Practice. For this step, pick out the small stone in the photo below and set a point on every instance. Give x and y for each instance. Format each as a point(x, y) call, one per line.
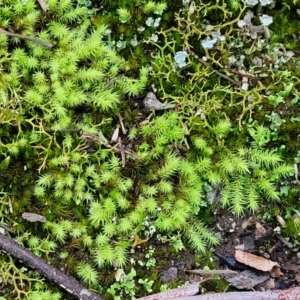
point(219, 227)
point(218, 235)
point(151, 103)
point(245, 86)
point(169, 275)
point(32, 217)
point(233, 225)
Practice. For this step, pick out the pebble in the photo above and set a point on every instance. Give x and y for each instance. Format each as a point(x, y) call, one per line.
point(169, 275)
point(233, 225)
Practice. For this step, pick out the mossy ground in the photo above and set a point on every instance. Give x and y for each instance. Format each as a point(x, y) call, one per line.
point(94, 199)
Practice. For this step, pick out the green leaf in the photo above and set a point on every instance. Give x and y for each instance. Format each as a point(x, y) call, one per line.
point(288, 89)
point(276, 99)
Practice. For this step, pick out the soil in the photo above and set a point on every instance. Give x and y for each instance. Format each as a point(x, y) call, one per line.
point(259, 238)
point(234, 232)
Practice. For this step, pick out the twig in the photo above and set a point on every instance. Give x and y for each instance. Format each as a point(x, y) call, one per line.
point(187, 290)
point(122, 124)
point(95, 138)
point(109, 83)
point(290, 294)
point(242, 74)
point(203, 62)
point(122, 150)
point(63, 130)
point(284, 241)
point(226, 272)
point(43, 5)
point(66, 282)
point(28, 38)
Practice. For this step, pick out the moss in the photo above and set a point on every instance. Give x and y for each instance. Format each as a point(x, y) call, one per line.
point(60, 107)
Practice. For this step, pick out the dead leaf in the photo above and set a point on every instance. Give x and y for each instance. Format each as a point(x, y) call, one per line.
point(251, 221)
point(261, 229)
point(247, 245)
point(247, 280)
point(281, 221)
point(276, 272)
point(143, 123)
point(266, 285)
point(43, 5)
point(115, 135)
point(258, 263)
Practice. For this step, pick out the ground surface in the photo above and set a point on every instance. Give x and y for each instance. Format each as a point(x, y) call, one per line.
point(245, 233)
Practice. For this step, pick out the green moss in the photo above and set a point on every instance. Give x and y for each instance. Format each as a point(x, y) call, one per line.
point(61, 106)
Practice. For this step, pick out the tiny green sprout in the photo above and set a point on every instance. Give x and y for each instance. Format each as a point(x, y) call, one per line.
point(160, 8)
point(124, 15)
point(150, 6)
point(124, 285)
point(87, 273)
point(63, 255)
point(150, 252)
point(151, 263)
point(163, 287)
point(147, 284)
point(176, 242)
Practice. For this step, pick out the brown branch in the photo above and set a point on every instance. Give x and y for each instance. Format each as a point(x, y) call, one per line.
point(240, 74)
point(187, 290)
point(290, 294)
point(28, 38)
point(67, 283)
point(122, 124)
point(102, 141)
point(63, 130)
point(122, 150)
point(225, 272)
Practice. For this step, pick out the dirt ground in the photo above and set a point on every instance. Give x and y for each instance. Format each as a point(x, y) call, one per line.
point(248, 234)
point(259, 238)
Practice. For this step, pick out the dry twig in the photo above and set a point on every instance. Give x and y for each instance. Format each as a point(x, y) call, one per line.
point(28, 38)
point(122, 150)
point(226, 272)
point(124, 131)
point(203, 62)
point(119, 148)
point(240, 74)
point(290, 294)
point(67, 283)
point(187, 290)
